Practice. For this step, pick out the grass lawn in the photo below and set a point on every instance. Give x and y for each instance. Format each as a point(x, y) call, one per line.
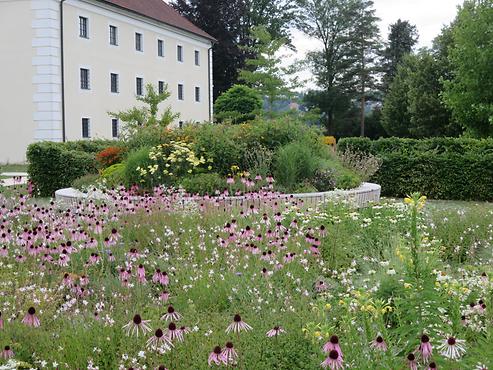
point(162, 280)
point(13, 168)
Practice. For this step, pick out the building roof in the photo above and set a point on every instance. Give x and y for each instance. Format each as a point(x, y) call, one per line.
point(160, 11)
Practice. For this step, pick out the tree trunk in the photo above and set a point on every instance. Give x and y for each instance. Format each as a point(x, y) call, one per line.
point(362, 113)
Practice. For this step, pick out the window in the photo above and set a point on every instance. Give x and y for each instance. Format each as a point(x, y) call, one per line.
point(197, 94)
point(139, 82)
point(160, 48)
point(180, 92)
point(138, 42)
point(179, 53)
point(197, 57)
point(113, 35)
point(180, 124)
point(85, 128)
point(114, 127)
point(161, 86)
point(83, 23)
point(114, 83)
point(84, 79)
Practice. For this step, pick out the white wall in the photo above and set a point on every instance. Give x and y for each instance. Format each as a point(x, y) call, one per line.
point(101, 58)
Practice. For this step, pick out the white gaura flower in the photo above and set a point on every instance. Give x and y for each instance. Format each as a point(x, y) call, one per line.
point(452, 348)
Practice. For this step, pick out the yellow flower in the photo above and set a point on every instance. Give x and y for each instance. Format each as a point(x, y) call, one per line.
point(407, 285)
point(317, 334)
point(408, 200)
point(328, 306)
point(341, 302)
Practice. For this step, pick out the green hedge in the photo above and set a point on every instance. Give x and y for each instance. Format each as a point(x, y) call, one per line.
point(440, 168)
point(438, 145)
point(53, 166)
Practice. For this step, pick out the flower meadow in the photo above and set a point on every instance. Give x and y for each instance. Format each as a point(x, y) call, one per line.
point(173, 281)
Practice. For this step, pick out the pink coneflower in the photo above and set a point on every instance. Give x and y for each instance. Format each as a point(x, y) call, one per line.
point(171, 315)
point(174, 333)
point(411, 362)
point(333, 344)
point(164, 296)
point(229, 354)
point(379, 343)
point(1, 321)
point(159, 340)
point(275, 331)
point(432, 366)
point(31, 319)
point(215, 357)
point(230, 180)
point(160, 367)
point(333, 361)
point(7, 353)
point(425, 348)
point(185, 330)
point(452, 348)
point(238, 325)
point(141, 274)
point(137, 325)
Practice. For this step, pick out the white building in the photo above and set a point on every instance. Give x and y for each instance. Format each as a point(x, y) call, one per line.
point(67, 63)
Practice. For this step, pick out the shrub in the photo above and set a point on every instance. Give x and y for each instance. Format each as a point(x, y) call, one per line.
point(363, 164)
point(85, 182)
point(53, 166)
point(239, 104)
point(114, 175)
point(203, 183)
point(324, 180)
point(109, 156)
point(294, 163)
point(137, 159)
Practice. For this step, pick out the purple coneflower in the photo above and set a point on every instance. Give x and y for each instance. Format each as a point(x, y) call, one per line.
point(137, 325)
point(215, 356)
point(171, 315)
point(425, 348)
point(160, 367)
point(1, 321)
point(411, 362)
point(141, 274)
point(333, 344)
point(159, 340)
point(229, 354)
point(275, 331)
point(379, 343)
point(452, 348)
point(432, 366)
point(238, 325)
point(174, 333)
point(333, 361)
point(7, 353)
point(31, 319)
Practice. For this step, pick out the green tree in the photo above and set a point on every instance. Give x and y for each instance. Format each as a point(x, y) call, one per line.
point(413, 105)
point(469, 92)
point(403, 36)
point(265, 72)
point(239, 104)
point(343, 35)
point(147, 115)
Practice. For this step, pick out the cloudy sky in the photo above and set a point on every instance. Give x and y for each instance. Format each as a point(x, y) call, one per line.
point(429, 16)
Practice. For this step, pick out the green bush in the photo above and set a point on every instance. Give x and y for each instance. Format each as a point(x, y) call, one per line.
point(441, 168)
point(294, 163)
point(203, 183)
point(137, 158)
point(86, 181)
point(53, 166)
point(114, 175)
point(239, 104)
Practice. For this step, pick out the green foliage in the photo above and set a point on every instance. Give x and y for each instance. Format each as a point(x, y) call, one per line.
point(324, 179)
point(147, 115)
point(138, 158)
point(114, 175)
point(469, 93)
point(264, 72)
point(413, 106)
point(203, 183)
point(294, 163)
point(442, 168)
point(239, 104)
point(54, 166)
point(86, 181)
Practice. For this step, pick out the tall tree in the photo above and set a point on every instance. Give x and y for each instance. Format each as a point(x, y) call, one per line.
point(344, 36)
point(469, 92)
point(367, 45)
point(230, 22)
point(403, 36)
point(266, 72)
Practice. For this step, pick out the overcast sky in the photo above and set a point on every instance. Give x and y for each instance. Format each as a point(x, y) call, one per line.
point(429, 16)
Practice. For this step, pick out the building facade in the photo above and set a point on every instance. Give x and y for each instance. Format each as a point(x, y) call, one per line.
point(68, 63)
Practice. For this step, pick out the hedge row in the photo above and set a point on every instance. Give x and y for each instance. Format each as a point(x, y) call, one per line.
point(437, 145)
point(53, 166)
point(440, 168)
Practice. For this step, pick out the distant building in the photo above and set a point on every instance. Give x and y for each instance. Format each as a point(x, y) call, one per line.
point(67, 63)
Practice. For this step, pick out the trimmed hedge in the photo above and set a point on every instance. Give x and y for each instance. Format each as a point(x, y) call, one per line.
point(53, 166)
point(437, 145)
point(440, 168)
